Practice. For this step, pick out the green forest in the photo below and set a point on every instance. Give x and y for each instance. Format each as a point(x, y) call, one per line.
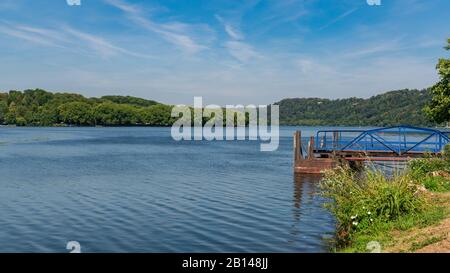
point(38, 107)
point(391, 108)
point(41, 108)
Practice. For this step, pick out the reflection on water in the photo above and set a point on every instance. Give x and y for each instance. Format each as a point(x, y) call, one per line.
point(305, 194)
point(304, 184)
point(137, 190)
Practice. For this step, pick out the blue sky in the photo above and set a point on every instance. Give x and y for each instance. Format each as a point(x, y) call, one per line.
point(228, 51)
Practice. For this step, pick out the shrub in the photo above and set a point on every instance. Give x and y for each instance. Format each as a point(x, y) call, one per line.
point(421, 167)
point(432, 173)
point(446, 152)
point(361, 201)
point(436, 183)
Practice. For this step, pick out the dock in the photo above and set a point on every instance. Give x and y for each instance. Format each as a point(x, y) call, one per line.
point(330, 148)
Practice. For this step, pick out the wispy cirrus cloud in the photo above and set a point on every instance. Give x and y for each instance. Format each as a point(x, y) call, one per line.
point(233, 32)
point(40, 36)
point(339, 18)
point(241, 51)
point(236, 46)
point(280, 13)
point(289, 10)
point(176, 33)
point(65, 38)
point(372, 49)
point(100, 45)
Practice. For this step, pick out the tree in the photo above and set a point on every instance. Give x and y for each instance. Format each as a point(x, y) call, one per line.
point(48, 115)
point(112, 114)
point(11, 114)
point(157, 115)
point(438, 109)
point(3, 106)
point(129, 100)
point(76, 113)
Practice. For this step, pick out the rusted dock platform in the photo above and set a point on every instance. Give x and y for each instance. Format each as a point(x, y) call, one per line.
point(330, 148)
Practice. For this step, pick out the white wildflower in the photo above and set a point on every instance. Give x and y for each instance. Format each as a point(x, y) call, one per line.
point(355, 223)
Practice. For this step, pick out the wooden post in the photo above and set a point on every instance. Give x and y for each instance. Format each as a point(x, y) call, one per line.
point(300, 147)
point(297, 146)
point(311, 148)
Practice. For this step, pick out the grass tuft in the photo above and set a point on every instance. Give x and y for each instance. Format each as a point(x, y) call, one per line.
point(369, 206)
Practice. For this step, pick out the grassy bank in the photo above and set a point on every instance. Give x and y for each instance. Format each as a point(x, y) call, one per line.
point(370, 207)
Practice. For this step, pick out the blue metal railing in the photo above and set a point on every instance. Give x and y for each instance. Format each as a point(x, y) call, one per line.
point(397, 139)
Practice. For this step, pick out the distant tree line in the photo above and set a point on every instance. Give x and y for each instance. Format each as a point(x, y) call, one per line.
point(41, 108)
point(391, 108)
point(38, 107)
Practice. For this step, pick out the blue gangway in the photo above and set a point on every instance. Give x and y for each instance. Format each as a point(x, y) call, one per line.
point(398, 140)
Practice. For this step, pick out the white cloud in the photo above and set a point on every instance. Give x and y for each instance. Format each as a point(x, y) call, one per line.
point(386, 46)
point(234, 33)
point(241, 51)
point(339, 18)
point(236, 46)
point(66, 38)
point(335, 78)
point(173, 32)
point(34, 35)
point(124, 6)
point(103, 47)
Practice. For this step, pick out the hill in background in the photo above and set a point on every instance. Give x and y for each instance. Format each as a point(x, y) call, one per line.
point(391, 108)
point(38, 107)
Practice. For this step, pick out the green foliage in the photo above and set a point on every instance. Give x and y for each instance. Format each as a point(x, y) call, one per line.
point(436, 183)
point(3, 109)
point(129, 100)
point(432, 173)
point(156, 115)
point(76, 112)
point(112, 114)
point(381, 231)
point(41, 108)
point(391, 108)
point(439, 108)
point(446, 152)
point(368, 206)
point(361, 204)
point(421, 167)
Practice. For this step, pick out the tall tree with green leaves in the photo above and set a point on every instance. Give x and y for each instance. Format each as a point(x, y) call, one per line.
point(438, 109)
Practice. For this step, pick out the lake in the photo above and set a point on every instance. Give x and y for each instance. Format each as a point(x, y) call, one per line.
point(137, 190)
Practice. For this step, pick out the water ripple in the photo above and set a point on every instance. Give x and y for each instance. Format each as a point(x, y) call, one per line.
point(137, 190)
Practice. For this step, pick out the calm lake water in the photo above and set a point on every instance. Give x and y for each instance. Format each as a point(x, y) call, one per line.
point(137, 190)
